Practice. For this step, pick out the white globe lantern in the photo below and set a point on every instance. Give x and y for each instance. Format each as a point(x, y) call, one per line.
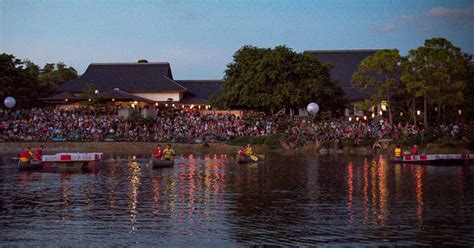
point(9, 102)
point(313, 108)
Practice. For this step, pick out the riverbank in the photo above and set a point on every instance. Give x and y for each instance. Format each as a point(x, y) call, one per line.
point(148, 147)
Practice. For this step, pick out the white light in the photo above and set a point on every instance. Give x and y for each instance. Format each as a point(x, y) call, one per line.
point(350, 118)
point(312, 108)
point(113, 100)
point(90, 99)
point(380, 113)
point(373, 115)
point(66, 100)
point(156, 104)
point(357, 118)
point(365, 117)
point(418, 112)
point(460, 112)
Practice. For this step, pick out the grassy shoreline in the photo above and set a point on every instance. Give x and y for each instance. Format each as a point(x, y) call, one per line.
point(148, 147)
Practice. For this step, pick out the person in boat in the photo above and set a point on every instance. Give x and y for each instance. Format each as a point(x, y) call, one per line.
point(242, 152)
point(249, 151)
point(26, 155)
point(397, 152)
point(158, 153)
point(414, 150)
point(168, 153)
point(39, 153)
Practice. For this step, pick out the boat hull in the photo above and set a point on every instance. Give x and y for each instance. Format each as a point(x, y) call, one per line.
point(435, 159)
point(29, 166)
point(158, 163)
point(247, 160)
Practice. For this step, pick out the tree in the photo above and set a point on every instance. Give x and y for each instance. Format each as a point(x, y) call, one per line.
point(437, 72)
point(469, 92)
point(18, 79)
point(380, 71)
point(265, 79)
point(26, 82)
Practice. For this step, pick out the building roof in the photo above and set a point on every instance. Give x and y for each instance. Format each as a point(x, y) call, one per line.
point(129, 77)
point(203, 89)
point(119, 95)
point(61, 97)
point(344, 63)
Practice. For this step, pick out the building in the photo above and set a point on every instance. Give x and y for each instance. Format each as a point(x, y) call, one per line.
point(143, 82)
point(344, 63)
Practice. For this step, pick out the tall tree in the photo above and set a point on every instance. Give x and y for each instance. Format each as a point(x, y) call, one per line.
point(265, 79)
point(380, 71)
point(437, 72)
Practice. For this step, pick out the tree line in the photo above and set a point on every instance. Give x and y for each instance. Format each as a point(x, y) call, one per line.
point(27, 82)
point(433, 83)
point(436, 77)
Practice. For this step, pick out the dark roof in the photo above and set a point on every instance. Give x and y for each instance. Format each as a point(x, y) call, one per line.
point(344, 64)
point(61, 97)
point(129, 77)
point(203, 89)
point(119, 95)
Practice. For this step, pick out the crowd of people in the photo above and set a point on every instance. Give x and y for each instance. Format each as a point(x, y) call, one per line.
point(105, 125)
point(179, 126)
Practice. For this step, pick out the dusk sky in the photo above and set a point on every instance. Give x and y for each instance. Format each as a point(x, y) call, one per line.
point(198, 38)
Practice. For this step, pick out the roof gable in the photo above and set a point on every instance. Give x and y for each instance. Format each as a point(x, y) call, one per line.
point(129, 77)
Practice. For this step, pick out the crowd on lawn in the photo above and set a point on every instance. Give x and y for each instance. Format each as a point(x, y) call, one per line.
point(38, 124)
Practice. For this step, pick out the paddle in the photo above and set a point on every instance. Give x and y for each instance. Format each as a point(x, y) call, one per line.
point(254, 158)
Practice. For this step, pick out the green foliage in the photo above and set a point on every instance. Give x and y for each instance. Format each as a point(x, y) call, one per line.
point(380, 71)
point(26, 82)
point(436, 71)
point(268, 80)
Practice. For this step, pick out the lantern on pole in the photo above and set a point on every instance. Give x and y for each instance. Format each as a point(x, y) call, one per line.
point(313, 108)
point(9, 102)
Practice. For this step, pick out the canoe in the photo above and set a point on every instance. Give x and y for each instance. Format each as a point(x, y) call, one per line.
point(36, 165)
point(435, 159)
point(246, 160)
point(158, 163)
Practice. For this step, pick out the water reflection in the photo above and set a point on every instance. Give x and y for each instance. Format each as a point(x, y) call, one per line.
point(207, 199)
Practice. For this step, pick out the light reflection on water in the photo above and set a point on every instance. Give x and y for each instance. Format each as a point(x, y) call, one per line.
point(209, 199)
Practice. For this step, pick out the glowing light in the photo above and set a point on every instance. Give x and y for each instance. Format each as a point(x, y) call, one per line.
point(460, 112)
point(113, 100)
point(401, 113)
point(381, 112)
point(418, 112)
point(156, 104)
point(365, 117)
point(90, 100)
point(350, 118)
point(383, 105)
point(357, 118)
point(373, 115)
point(192, 105)
point(66, 100)
point(166, 105)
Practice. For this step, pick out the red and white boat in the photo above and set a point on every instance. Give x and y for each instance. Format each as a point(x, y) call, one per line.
point(70, 160)
point(435, 159)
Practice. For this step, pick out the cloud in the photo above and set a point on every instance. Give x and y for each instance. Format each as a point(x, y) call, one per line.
point(421, 20)
point(408, 18)
point(384, 28)
point(453, 13)
point(469, 25)
point(191, 16)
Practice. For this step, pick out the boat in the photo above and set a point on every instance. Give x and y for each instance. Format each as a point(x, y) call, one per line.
point(250, 159)
point(442, 159)
point(32, 165)
point(159, 163)
point(71, 161)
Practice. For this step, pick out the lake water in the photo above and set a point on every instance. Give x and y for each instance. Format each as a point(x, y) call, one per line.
point(210, 200)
